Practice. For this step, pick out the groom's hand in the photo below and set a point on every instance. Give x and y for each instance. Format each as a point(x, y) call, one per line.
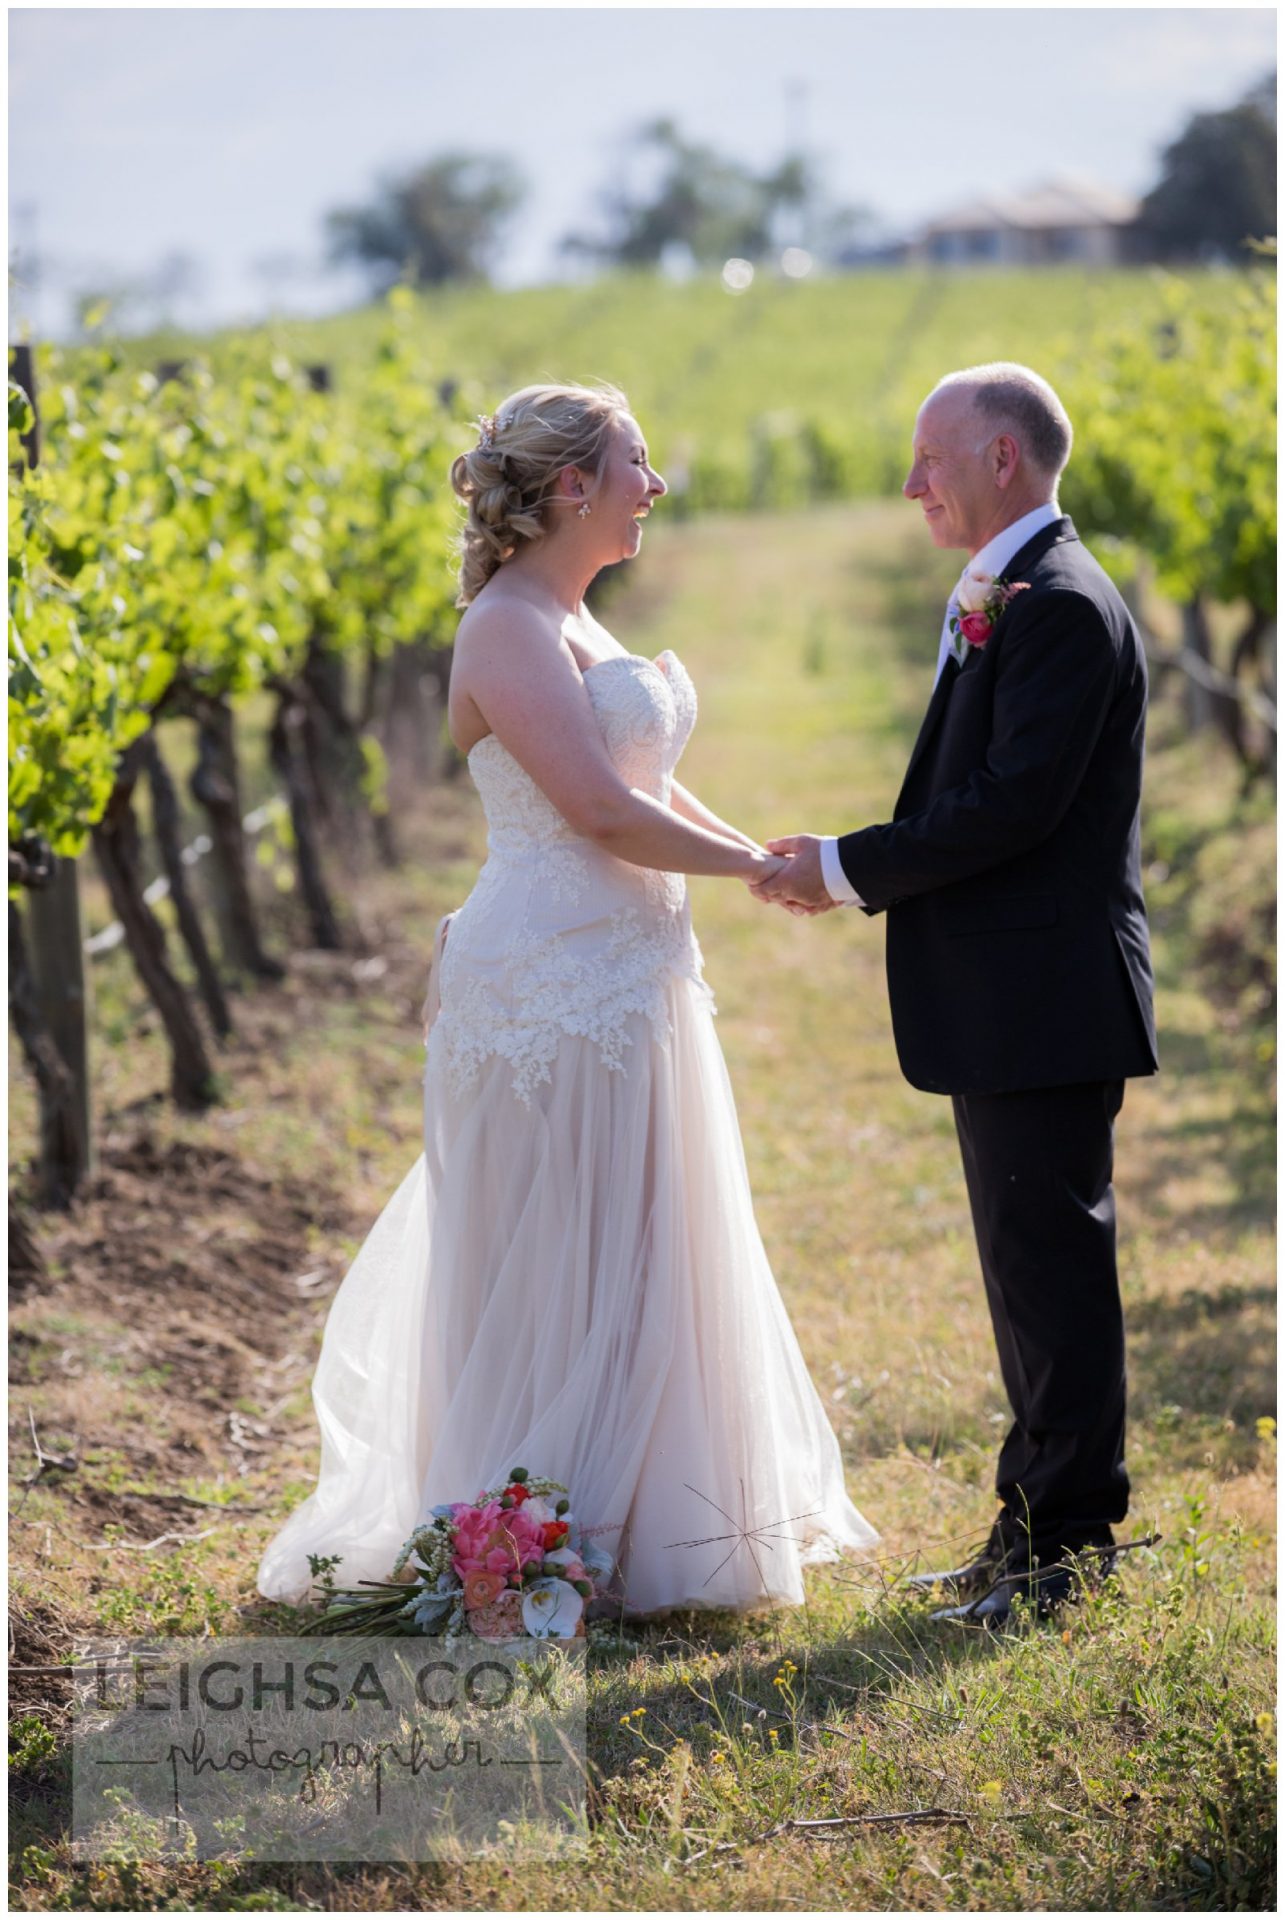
point(799, 884)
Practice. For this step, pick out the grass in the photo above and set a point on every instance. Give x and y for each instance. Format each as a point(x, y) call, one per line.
point(1123, 1758)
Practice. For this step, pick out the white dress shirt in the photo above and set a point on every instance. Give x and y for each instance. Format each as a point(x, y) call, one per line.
point(992, 559)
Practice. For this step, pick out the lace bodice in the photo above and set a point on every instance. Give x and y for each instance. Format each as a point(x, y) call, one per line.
point(644, 727)
point(558, 936)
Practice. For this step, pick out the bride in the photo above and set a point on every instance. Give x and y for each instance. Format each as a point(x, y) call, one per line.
point(570, 1278)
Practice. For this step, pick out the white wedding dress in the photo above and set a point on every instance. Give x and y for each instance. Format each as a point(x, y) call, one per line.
point(570, 1277)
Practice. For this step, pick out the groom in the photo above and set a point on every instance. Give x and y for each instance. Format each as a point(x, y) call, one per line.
point(1019, 968)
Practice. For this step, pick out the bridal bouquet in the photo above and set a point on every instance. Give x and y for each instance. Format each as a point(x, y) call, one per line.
point(513, 1562)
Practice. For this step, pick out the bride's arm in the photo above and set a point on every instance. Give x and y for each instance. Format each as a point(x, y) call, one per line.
point(525, 683)
point(686, 803)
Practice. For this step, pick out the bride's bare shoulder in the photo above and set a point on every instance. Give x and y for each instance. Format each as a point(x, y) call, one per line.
point(504, 633)
point(506, 648)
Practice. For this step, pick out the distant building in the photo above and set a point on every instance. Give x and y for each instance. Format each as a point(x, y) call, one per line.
point(1065, 222)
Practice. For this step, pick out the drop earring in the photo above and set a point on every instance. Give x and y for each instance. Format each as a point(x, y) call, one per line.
point(584, 512)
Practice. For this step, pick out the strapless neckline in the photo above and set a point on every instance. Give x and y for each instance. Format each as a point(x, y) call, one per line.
point(612, 660)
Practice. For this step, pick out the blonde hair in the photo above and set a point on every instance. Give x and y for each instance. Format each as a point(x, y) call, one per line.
point(506, 480)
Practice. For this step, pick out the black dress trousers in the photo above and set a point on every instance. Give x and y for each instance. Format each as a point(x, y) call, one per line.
point(1038, 1163)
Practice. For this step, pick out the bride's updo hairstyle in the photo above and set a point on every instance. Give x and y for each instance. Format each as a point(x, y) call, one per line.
point(507, 478)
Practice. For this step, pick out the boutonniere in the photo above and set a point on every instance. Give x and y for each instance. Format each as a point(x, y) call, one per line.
point(980, 599)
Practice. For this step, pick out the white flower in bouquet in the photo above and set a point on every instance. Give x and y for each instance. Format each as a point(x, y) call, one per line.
point(551, 1608)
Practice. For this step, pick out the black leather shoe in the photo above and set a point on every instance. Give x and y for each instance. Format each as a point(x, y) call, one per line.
point(1040, 1592)
point(972, 1580)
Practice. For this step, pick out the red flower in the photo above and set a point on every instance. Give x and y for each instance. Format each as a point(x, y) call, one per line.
point(976, 628)
point(555, 1532)
point(518, 1493)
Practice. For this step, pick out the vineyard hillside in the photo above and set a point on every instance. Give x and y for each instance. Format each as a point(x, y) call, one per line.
point(746, 396)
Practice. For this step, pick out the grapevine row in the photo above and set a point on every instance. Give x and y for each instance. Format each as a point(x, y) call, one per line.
point(179, 543)
point(176, 545)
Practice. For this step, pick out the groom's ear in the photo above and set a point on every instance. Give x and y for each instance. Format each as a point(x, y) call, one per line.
point(1006, 457)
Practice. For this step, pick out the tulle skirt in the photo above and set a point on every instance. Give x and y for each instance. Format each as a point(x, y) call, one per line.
point(578, 1287)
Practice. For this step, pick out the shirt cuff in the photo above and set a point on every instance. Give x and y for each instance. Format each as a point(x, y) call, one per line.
point(837, 883)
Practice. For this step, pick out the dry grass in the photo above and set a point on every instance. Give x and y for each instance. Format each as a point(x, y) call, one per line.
point(1123, 1761)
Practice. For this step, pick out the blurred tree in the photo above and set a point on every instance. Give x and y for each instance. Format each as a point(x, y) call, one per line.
point(705, 204)
point(440, 223)
point(790, 191)
point(701, 202)
point(1218, 187)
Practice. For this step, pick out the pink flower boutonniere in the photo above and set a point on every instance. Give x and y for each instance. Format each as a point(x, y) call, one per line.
point(980, 599)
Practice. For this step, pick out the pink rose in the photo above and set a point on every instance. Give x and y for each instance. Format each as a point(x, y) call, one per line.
point(472, 1527)
point(502, 1620)
point(519, 1539)
point(976, 629)
point(494, 1539)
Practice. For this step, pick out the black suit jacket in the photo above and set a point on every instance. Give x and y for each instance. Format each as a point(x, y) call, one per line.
point(1017, 945)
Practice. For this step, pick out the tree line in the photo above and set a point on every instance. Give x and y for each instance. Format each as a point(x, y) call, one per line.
point(446, 220)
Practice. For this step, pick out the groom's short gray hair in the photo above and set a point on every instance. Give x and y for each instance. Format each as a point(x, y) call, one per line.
point(1017, 400)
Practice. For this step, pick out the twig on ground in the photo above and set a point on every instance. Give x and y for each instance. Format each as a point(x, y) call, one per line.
point(64, 1462)
point(826, 1726)
point(189, 1500)
point(146, 1546)
point(1006, 1579)
point(915, 1816)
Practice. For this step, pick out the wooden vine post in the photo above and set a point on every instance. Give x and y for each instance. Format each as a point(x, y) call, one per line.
point(58, 973)
point(215, 784)
point(166, 826)
point(117, 845)
point(47, 985)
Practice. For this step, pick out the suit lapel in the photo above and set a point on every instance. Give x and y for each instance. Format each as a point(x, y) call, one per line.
point(1025, 558)
point(936, 708)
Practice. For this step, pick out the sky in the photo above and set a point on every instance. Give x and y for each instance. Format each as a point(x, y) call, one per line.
point(227, 133)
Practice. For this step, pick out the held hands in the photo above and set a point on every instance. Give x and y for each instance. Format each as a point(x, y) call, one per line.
point(794, 880)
